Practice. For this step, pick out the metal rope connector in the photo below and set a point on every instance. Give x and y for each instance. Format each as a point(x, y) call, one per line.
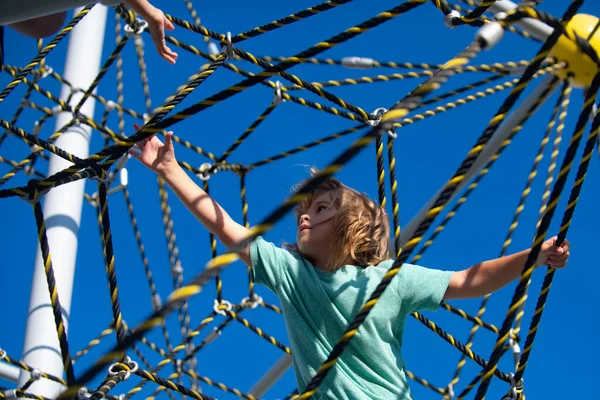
point(449, 19)
point(35, 374)
point(221, 307)
point(227, 48)
point(358, 62)
point(205, 173)
point(253, 302)
point(82, 393)
point(47, 71)
point(141, 27)
point(278, 97)
point(128, 367)
point(449, 392)
point(378, 113)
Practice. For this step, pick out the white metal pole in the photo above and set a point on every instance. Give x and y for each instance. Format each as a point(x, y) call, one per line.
point(62, 210)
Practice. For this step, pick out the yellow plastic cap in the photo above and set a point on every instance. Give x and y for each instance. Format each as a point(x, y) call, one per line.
point(580, 65)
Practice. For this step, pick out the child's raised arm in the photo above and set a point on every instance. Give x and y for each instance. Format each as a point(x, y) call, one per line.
point(489, 276)
point(160, 158)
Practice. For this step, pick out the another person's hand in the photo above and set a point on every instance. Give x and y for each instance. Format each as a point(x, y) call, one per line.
point(154, 154)
point(553, 255)
point(157, 23)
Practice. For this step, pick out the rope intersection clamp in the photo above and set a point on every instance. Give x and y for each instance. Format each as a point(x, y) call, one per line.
point(47, 70)
point(205, 171)
point(128, 367)
point(375, 122)
point(82, 393)
point(142, 25)
point(2, 354)
point(227, 47)
point(513, 344)
point(278, 97)
point(252, 302)
point(449, 19)
point(221, 307)
point(449, 392)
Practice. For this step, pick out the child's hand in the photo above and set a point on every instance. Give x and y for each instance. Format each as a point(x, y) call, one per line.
point(154, 154)
point(157, 23)
point(552, 255)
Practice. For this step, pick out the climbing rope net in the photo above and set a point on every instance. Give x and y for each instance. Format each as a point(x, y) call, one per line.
point(126, 358)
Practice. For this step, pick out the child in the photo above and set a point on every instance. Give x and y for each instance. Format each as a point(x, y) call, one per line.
point(324, 279)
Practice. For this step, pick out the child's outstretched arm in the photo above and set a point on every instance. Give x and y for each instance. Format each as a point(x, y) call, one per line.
point(489, 276)
point(160, 158)
point(157, 23)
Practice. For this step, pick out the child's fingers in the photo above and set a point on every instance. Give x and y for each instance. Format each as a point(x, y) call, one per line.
point(169, 139)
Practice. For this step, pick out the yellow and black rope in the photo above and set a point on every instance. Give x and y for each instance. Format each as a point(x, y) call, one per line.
point(304, 147)
point(173, 252)
point(290, 19)
point(568, 215)
point(394, 191)
point(73, 173)
point(564, 95)
point(107, 64)
point(519, 297)
point(54, 300)
point(42, 54)
point(109, 257)
point(258, 331)
point(291, 61)
point(458, 345)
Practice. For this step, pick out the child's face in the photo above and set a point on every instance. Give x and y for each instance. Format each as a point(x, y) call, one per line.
point(315, 228)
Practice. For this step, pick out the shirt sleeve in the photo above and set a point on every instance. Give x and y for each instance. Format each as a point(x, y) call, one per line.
point(422, 288)
point(268, 261)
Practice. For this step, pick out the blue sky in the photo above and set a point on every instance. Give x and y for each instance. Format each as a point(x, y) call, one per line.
point(427, 154)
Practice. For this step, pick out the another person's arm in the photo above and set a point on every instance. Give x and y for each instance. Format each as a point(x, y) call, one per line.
point(157, 23)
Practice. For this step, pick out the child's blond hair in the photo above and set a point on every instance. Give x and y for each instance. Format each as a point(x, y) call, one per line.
point(361, 226)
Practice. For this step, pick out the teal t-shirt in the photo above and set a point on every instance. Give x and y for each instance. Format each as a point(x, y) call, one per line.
point(318, 306)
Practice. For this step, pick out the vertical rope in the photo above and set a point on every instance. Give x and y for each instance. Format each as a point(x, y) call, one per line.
point(119, 66)
point(109, 261)
point(54, 300)
point(247, 225)
point(519, 295)
point(566, 220)
point(394, 190)
point(380, 171)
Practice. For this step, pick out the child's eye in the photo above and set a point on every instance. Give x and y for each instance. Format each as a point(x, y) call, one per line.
point(321, 208)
